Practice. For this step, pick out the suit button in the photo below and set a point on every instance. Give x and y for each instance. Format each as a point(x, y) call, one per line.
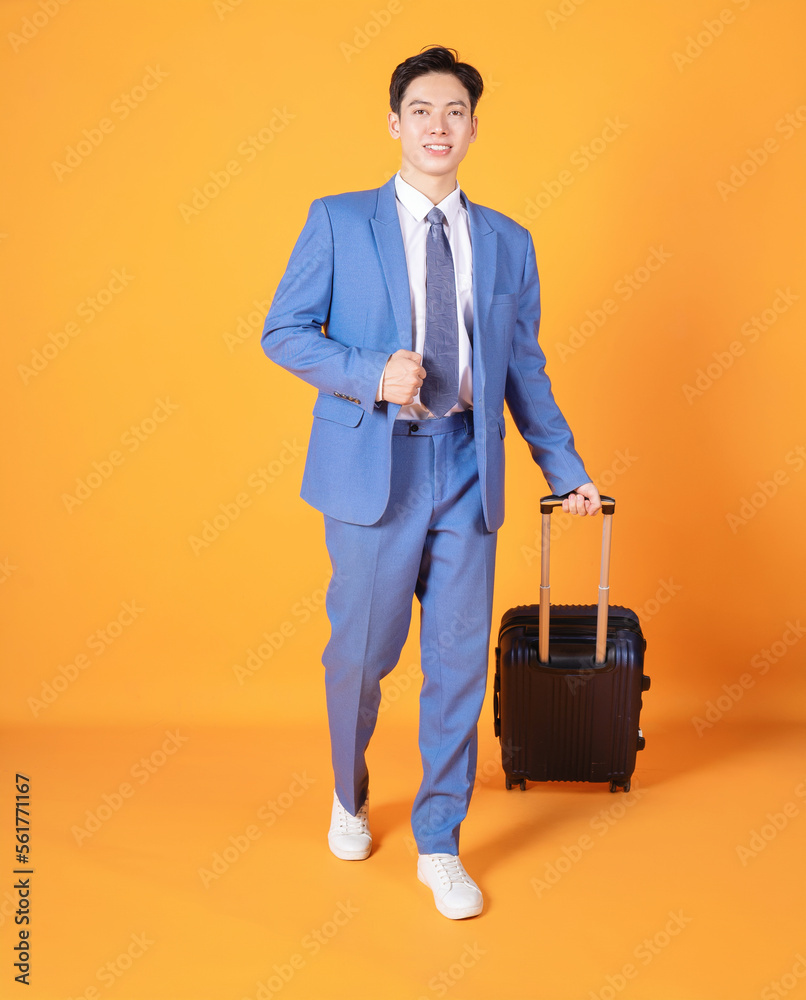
point(414, 428)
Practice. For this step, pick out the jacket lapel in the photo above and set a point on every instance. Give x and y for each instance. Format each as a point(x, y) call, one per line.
point(389, 240)
point(484, 247)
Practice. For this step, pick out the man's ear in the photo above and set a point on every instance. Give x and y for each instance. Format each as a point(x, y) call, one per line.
point(475, 129)
point(394, 125)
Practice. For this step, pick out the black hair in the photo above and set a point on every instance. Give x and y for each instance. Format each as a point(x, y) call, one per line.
point(434, 59)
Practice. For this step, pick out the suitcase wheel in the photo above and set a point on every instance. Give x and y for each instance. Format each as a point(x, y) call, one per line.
point(509, 782)
point(614, 786)
point(521, 783)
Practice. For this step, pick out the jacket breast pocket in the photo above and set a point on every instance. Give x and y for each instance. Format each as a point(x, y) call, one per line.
point(341, 411)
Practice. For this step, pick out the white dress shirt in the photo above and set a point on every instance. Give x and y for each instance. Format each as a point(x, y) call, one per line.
point(412, 208)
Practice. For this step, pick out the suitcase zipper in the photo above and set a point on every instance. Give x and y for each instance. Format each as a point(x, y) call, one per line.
point(574, 626)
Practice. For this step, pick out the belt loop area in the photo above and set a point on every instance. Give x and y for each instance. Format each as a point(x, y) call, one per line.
point(432, 426)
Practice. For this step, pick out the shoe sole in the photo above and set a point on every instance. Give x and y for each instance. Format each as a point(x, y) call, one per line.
point(469, 911)
point(350, 855)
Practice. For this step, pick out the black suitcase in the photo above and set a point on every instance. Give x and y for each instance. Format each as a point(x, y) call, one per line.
point(567, 698)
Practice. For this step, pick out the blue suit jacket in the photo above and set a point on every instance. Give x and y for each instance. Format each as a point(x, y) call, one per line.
point(347, 273)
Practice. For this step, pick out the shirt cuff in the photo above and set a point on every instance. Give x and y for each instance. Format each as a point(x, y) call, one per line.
point(379, 393)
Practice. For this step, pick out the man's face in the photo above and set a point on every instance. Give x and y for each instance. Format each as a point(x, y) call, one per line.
point(434, 125)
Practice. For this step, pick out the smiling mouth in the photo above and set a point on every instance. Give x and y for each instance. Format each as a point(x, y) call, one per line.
point(438, 146)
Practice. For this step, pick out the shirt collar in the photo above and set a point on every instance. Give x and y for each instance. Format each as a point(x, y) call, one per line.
point(419, 204)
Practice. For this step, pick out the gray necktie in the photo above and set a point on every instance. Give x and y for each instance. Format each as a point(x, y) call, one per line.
point(440, 390)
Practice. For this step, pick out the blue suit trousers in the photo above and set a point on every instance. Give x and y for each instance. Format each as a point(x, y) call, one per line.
point(431, 542)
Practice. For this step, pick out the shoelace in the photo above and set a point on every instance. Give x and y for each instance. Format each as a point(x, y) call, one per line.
point(450, 870)
point(353, 824)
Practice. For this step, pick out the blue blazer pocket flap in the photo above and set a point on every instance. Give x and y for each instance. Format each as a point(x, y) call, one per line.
point(505, 298)
point(342, 411)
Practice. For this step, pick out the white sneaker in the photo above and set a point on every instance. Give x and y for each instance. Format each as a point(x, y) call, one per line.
point(349, 837)
point(456, 894)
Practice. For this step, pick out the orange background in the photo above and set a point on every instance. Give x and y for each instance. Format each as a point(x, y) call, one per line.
point(133, 365)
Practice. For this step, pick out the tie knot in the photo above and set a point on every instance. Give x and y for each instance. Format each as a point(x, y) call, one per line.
point(436, 217)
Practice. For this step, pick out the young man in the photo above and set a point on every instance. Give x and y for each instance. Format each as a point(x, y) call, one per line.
point(430, 306)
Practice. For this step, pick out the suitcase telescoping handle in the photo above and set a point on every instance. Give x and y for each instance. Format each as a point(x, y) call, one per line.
point(547, 505)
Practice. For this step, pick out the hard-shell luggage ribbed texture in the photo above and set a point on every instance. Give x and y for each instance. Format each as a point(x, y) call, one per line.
point(570, 718)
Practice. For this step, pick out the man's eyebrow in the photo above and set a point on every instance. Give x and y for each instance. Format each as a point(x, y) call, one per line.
point(418, 100)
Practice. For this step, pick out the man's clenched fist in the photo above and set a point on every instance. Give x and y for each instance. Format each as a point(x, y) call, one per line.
point(403, 377)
